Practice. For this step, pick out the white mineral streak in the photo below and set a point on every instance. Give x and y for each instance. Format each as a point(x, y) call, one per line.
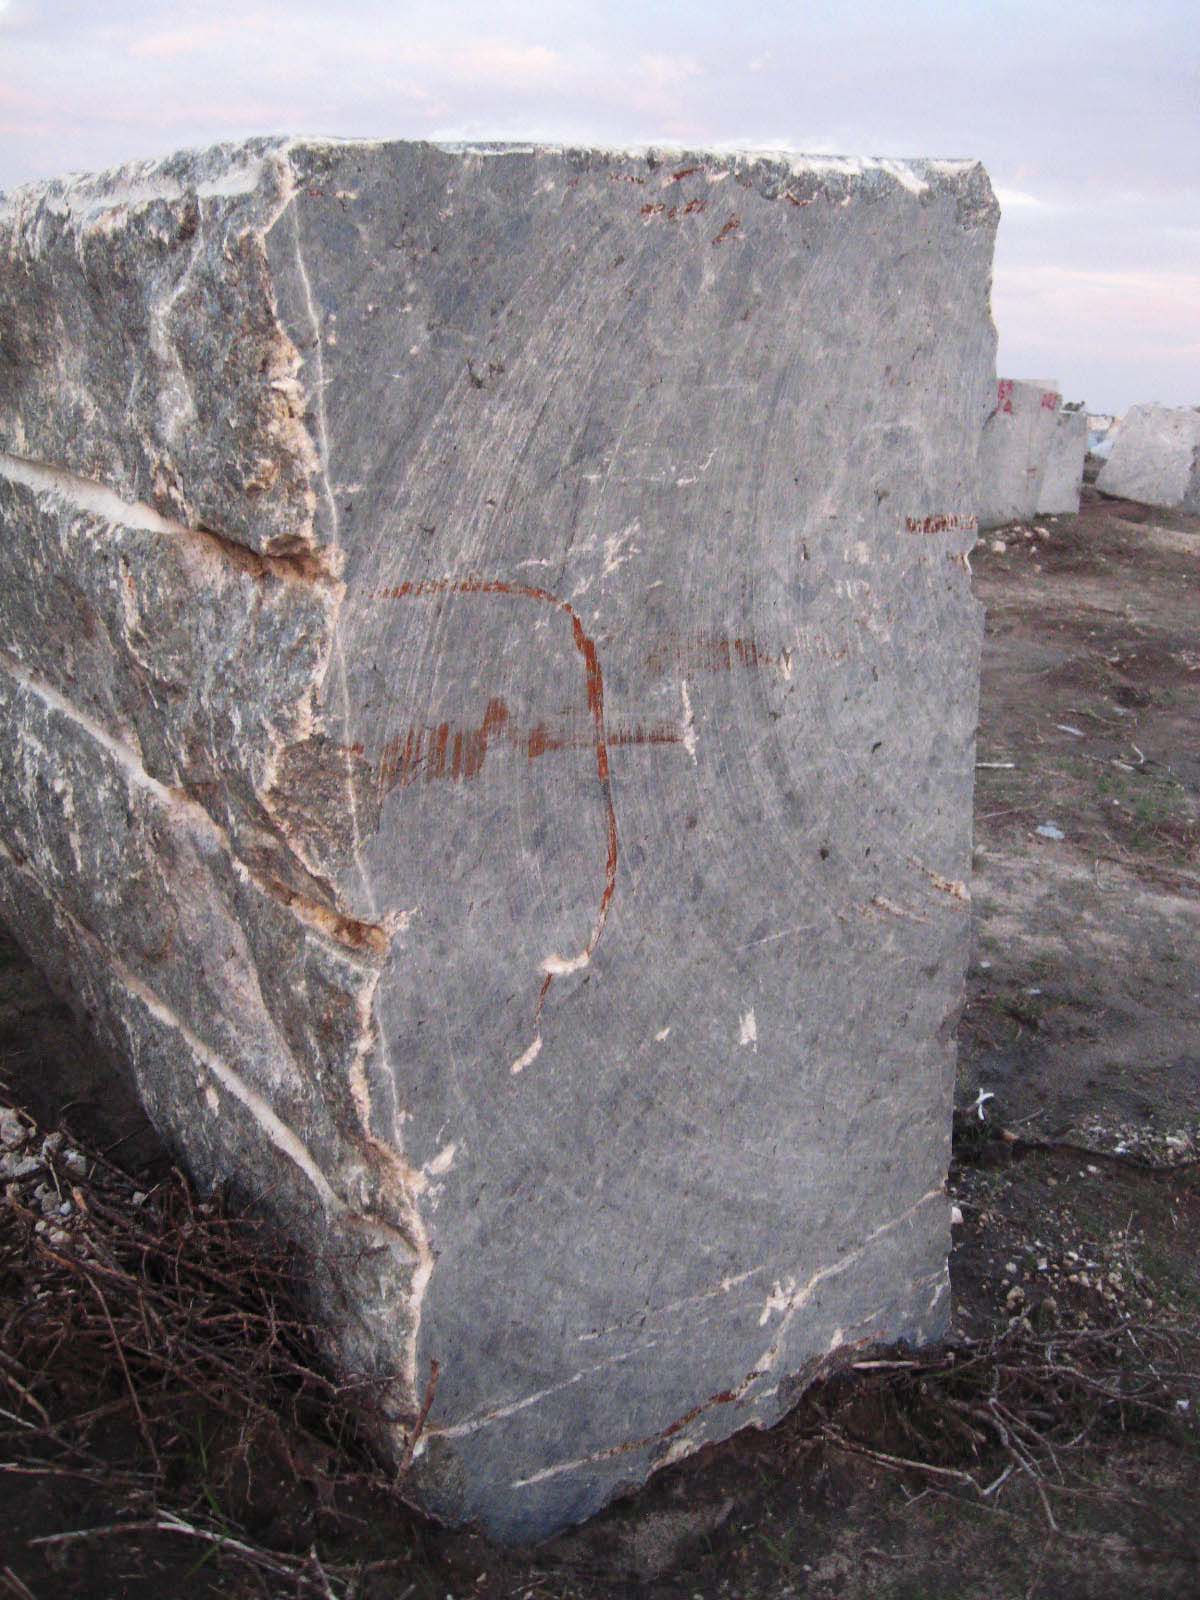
point(490, 1418)
point(797, 1298)
point(442, 1162)
point(85, 495)
point(790, 1303)
point(722, 1288)
point(689, 721)
point(560, 966)
point(748, 1029)
point(527, 1056)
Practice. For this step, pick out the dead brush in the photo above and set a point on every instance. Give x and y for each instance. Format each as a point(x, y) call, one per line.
point(173, 1315)
point(979, 1418)
point(159, 1313)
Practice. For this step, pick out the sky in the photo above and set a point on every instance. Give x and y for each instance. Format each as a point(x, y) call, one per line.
point(1086, 116)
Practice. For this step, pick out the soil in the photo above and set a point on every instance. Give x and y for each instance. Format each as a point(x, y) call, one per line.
point(1075, 1172)
point(1084, 994)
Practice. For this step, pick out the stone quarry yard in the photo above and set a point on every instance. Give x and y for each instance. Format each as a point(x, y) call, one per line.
point(154, 1395)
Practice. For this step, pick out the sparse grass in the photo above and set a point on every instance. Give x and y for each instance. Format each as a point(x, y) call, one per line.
point(1151, 811)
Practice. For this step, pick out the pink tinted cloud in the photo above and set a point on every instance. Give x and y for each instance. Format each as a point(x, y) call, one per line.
point(171, 44)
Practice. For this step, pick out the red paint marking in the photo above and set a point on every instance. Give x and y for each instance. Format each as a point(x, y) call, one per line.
point(595, 694)
point(663, 734)
point(437, 752)
point(1050, 400)
point(684, 172)
point(658, 208)
point(712, 652)
point(950, 522)
point(731, 226)
point(1004, 392)
point(421, 753)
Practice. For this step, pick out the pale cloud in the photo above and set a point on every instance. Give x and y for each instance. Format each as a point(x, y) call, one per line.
point(1020, 200)
point(171, 44)
point(1096, 253)
point(1112, 336)
point(666, 73)
point(1173, 294)
point(495, 63)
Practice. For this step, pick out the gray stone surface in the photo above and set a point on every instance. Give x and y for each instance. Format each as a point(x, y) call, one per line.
point(1014, 449)
point(1155, 458)
point(1062, 474)
point(487, 697)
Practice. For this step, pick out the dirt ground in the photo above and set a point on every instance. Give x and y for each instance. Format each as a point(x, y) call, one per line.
point(1051, 1450)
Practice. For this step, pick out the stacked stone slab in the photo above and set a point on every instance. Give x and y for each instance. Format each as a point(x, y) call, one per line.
point(1155, 458)
point(486, 732)
point(1016, 445)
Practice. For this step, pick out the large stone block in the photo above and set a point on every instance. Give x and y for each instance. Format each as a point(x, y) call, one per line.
point(1155, 458)
point(1062, 473)
point(487, 705)
point(1014, 449)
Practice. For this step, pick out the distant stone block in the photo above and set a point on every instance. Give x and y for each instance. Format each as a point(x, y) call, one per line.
point(1062, 473)
point(1155, 458)
point(1014, 450)
point(488, 686)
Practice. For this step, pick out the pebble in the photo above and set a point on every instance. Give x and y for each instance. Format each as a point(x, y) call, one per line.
point(13, 1131)
point(12, 1166)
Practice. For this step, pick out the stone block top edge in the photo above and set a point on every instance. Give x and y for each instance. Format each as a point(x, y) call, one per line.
point(234, 168)
point(228, 169)
point(1150, 407)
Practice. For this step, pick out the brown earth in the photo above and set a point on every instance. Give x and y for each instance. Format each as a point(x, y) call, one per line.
point(1050, 1451)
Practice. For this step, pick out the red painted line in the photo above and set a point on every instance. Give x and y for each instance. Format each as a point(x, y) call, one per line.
point(496, 716)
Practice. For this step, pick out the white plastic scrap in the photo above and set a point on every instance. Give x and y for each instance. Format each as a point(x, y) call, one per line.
point(981, 1099)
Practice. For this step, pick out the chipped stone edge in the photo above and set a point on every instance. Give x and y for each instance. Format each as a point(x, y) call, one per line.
point(87, 196)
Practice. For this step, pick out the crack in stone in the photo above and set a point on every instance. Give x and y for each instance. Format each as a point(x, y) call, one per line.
point(96, 499)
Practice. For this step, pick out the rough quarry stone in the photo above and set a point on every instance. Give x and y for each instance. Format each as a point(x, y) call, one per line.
point(1014, 449)
point(1062, 473)
point(1155, 458)
point(487, 703)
